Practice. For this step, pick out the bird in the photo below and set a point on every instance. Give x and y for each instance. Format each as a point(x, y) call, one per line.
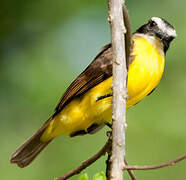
point(86, 105)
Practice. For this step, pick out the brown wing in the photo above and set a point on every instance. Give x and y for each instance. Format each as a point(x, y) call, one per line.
point(99, 70)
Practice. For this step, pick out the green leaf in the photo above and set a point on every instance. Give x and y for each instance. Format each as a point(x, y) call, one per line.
point(83, 177)
point(100, 176)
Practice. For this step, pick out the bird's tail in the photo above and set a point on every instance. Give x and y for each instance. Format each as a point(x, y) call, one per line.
point(28, 151)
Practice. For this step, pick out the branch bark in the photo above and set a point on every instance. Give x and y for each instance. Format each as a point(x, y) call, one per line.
point(118, 31)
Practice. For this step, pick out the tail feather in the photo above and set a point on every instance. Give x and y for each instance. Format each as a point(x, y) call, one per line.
point(27, 152)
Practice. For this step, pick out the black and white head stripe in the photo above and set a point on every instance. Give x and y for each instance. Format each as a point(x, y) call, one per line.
point(158, 28)
point(164, 26)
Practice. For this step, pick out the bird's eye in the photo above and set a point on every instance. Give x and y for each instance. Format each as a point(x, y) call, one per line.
point(152, 24)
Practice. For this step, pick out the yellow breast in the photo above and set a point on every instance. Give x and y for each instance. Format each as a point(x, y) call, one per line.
point(145, 71)
point(144, 74)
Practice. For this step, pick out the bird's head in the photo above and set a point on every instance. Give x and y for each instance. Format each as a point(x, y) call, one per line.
point(159, 28)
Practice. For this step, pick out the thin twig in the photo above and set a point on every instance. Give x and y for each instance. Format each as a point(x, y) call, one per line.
point(86, 163)
point(156, 166)
point(108, 166)
point(128, 33)
point(130, 171)
point(108, 162)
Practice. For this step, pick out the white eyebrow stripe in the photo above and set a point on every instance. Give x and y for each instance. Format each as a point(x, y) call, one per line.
point(165, 28)
point(171, 32)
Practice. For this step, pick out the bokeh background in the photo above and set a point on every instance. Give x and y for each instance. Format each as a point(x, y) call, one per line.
point(44, 45)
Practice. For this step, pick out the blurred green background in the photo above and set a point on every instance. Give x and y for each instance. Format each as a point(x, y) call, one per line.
point(44, 45)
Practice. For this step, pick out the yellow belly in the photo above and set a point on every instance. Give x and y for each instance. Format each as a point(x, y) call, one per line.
point(144, 74)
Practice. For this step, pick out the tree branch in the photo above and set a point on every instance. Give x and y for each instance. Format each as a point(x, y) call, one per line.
point(108, 165)
point(128, 33)
point(108, 162)
point(130, 171)
point(116, 19)
point(157, 166)
point(87, 163)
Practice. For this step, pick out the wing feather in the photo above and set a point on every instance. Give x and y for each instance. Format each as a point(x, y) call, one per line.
point(99, 70)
